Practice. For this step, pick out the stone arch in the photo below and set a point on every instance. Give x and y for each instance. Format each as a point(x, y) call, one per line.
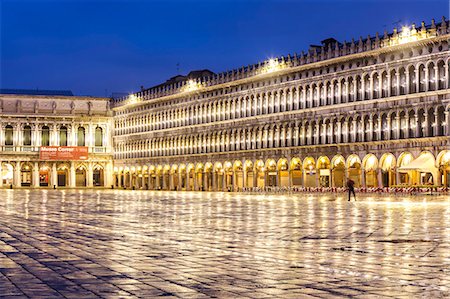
point(324, 171)
point(443, 164)
point(354, 169)
point(338, 171)
point(296, 171)
point(283, 172)
point(370, 168)
point(388, 170)
point(271, 173)
point(260, 173)
point(309, 172)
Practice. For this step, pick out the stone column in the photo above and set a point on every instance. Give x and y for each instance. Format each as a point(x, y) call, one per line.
point(447, 123)
point(370, 87)
point(436, 124)
point(54, 176)
point(389, 125)
point(90, 173)
point(427, 128)
point(339, 131)
point(397, 121)
point(1, 174)
point(379, 128)
point(418, 126)
point(35, 182)
point(436, 78)
point(379, 178)
point(324, 134)
point(407, 82)
point(416, 71)
point(363, 178)
point(17, 179)
point(332, 92)
point(72, 175)
point(389, 83)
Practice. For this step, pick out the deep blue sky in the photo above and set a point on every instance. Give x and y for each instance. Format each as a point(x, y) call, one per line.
point(99, 47)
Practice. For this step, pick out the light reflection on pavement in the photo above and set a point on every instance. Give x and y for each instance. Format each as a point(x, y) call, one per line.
point(120, 244)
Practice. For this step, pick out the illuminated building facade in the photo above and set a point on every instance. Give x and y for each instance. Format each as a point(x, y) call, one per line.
point(375, 110)
point(52, 138)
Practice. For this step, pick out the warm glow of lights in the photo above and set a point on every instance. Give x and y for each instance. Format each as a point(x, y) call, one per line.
point(407, 35)
point(272, 65)
point(191, 85)
point(132, 99)
point(116, 169)
point(7, 172)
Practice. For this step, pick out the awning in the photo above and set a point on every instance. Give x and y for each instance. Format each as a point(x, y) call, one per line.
point(424, 163)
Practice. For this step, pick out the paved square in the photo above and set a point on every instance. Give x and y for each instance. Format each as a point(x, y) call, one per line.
point(130, 244)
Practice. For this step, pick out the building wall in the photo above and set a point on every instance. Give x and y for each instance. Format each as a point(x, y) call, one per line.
point(20, 163)
point(350, 111)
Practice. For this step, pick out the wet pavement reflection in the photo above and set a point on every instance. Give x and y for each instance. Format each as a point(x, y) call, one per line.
point(139, 244)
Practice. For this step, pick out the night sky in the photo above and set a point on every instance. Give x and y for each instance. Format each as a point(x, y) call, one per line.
point(99, 47)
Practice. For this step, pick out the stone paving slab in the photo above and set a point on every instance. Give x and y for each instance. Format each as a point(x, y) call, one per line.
point(146, 244)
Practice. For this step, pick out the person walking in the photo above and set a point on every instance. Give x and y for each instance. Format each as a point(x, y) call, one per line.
point(351, 188)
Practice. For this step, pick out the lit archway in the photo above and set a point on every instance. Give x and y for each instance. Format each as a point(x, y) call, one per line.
point(7, 173)
point(190, 172)
point(259, 172)
point(174, 177)
point(218, 176)
point(387, 163)
point(296, 172)
point(249, 173)
point(283, 172)
point(208, 176)
point(422, 170)
point(228, 175)
point(199, 176)
point(309, 169)
point(183, 176)
point(98, 176)
point(159, 177)
point(354, 169)
point(152, 177)
point(238, 170)
point(370, 166)
point(26, 174)
point(443, 164)
point(271, 170)
point(338, 171)
point(323, 166)
point(44, 175)
point(62, 171)
point(166, 177)
point(403, 160)
point(80, 176)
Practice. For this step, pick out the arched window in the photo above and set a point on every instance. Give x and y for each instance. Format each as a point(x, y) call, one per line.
point(63, 136)
point(27, 135)
point(98, 136)
point(45, 138)
point(81, 136)
point(9, 135)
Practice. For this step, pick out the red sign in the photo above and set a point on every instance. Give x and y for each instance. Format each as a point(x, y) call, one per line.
point(63, 153)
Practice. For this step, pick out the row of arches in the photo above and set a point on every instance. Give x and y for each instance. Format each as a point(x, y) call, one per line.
point(388, 125)
point(323, 171)
point(402, 80)
point(60, 174)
